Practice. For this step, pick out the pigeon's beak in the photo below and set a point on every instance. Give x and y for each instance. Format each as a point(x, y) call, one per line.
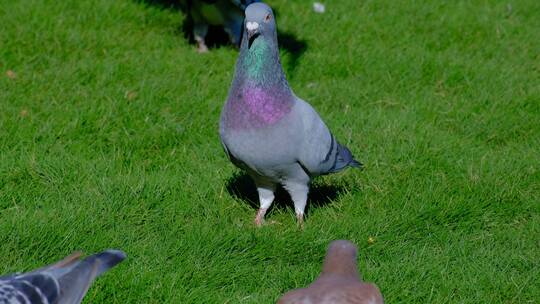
point(252, 29)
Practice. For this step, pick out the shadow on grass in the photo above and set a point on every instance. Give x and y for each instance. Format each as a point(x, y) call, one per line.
point(294, 47)
point(242, 187)
point(217, 37)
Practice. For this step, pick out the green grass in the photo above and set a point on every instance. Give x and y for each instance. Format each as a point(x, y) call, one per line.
point(108, 138)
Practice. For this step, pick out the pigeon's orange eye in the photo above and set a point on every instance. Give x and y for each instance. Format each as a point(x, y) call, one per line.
point(267, 18)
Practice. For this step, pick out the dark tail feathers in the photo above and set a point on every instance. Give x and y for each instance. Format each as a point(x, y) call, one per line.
point(344, 158)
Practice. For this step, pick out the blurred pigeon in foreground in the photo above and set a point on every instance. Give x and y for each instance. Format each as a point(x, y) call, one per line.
point(65, 282)
point(226, 13)
point(339, 282)
point(266, 130)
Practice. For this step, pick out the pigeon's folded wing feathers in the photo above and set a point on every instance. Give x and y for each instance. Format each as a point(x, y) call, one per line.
point(75, 284)
point(65, 282)
point(320, 153)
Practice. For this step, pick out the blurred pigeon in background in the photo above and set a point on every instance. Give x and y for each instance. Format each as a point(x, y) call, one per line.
point(65, 282)
point(339, 282)
point(266, 130)
point(226, 13)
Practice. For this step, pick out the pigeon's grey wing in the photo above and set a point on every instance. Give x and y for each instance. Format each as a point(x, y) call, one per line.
point(75, 283)
point(29, 289)
point(8, 277)
point(64, 282)
point(37, 286)
point(62, 265)
point(320, 153)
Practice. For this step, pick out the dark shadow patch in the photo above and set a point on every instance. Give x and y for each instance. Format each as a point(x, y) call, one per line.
point(241, 187)
point(293, 49)
point(217, 37)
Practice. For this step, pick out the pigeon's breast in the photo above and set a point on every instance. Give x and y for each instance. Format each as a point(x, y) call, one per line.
point(269, 152)
point(253, 107)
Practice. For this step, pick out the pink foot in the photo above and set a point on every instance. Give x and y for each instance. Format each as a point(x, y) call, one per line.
point(201, 46)
point(300, 220)
point(259, 219)
point(202, 49)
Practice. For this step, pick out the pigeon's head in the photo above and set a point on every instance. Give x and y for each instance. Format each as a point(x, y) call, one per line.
point(341, 259)
point(342, 248)
point(259, 22)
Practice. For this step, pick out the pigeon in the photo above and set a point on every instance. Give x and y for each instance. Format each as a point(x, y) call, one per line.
point(226, 13)
point(276, 137)
point(65, 282)
point(339, 282)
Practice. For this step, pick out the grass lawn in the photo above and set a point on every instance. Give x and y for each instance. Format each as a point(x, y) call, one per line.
point(108, 138)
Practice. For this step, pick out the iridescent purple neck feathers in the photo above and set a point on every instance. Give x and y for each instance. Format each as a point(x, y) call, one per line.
point(251, 106)
point(260, 95)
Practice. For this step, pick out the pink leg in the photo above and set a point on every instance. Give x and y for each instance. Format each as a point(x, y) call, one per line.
point(266, 197)
point(259, 219)
point(298, 192)
point(300, 220)
point(201, 46)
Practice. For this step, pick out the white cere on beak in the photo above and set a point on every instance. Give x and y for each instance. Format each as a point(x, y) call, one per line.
point(252, 26)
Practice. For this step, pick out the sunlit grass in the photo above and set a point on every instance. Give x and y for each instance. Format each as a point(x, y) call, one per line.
point(108, 138)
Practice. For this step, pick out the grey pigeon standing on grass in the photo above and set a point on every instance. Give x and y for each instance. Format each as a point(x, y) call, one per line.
point(339, 282)
point(266, 130)
point(65, 282)
point(226, 13)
